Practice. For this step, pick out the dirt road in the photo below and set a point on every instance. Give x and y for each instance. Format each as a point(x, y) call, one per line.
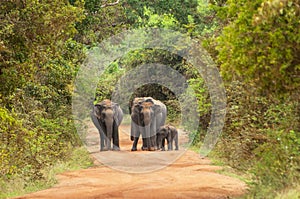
point(143, 174)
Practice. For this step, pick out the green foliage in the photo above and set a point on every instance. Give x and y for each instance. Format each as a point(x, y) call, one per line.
point(107, 83)
point(289, 193)
point(258, 51)
point(173, 115)
point(33, 149)
point(180, 10)
point(100, 23)
point(262, 44)
point(201, 94)
point(157, 21)
point(278, 160)
point(261, 136)
point(78, 159)
point(39, 60)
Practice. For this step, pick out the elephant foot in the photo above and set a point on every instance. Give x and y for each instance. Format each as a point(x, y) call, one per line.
point(163, 149)
point(104, 149)
point(151, 149)
point(133, 149)
point(144, 148)
point(116, 149)
point(176, 149)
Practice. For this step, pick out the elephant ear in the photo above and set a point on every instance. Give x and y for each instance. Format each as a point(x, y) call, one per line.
point(157, 109)
point(160, 130)
point(157, 105)
point(115, 107)
point(97, 110)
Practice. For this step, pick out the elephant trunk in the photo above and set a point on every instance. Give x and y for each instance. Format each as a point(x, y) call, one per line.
point(147, 126)
point(148, 137)
point(109, 120)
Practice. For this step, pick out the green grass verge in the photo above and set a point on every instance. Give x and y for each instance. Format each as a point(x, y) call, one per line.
point(291, 193)
point(79, 159)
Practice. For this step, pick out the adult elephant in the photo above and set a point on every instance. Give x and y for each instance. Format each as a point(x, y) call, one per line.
point(107, 116)
point(147, 115)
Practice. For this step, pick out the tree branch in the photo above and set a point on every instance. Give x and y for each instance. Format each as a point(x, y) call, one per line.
point(110, 4)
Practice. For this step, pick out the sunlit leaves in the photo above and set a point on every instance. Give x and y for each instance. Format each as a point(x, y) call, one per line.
point(262, 44)
point(38, 62)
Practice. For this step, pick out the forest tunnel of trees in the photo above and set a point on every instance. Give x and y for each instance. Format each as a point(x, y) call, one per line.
point(255, 45)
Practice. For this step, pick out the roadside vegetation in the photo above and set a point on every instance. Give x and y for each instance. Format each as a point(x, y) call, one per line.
point(255, 45)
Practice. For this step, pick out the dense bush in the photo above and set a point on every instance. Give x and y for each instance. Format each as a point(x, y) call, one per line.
point(261, 136)
point(257, 50)
point(261, 44)
point(39, 60)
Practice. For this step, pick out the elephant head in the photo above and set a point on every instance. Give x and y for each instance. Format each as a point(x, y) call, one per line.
point(148, 110)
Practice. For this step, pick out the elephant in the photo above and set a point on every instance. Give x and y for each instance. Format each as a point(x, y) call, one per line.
point(107, 116)
point(147, 115)
point(171, 134)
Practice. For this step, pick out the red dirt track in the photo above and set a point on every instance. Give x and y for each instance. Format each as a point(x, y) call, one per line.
point(142, 174)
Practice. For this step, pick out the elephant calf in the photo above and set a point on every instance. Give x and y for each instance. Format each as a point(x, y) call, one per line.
point(167, 132)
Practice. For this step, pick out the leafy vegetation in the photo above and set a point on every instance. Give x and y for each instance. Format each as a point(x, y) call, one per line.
point(262, 44)
point(258, 55)
point(78, 158)
point(254, 43)
point(39, 60)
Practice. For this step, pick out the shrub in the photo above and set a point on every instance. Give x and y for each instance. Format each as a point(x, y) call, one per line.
point(261, 136)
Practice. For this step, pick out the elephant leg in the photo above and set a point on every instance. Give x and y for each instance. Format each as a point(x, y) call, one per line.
point(163, 144)
point(144, 137)
point(152, 146)
point(169, 144)
point(133, 130)
point(135, 140)
point(152, 135)
point(116, 146)
point(170, 141)
point(144, 146)
point(176, 142)
point(134, 135)
point(102, 137)
point(148, 138)
point(153, 142)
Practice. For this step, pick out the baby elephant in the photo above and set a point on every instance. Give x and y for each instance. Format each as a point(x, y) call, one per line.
point(167, 132)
